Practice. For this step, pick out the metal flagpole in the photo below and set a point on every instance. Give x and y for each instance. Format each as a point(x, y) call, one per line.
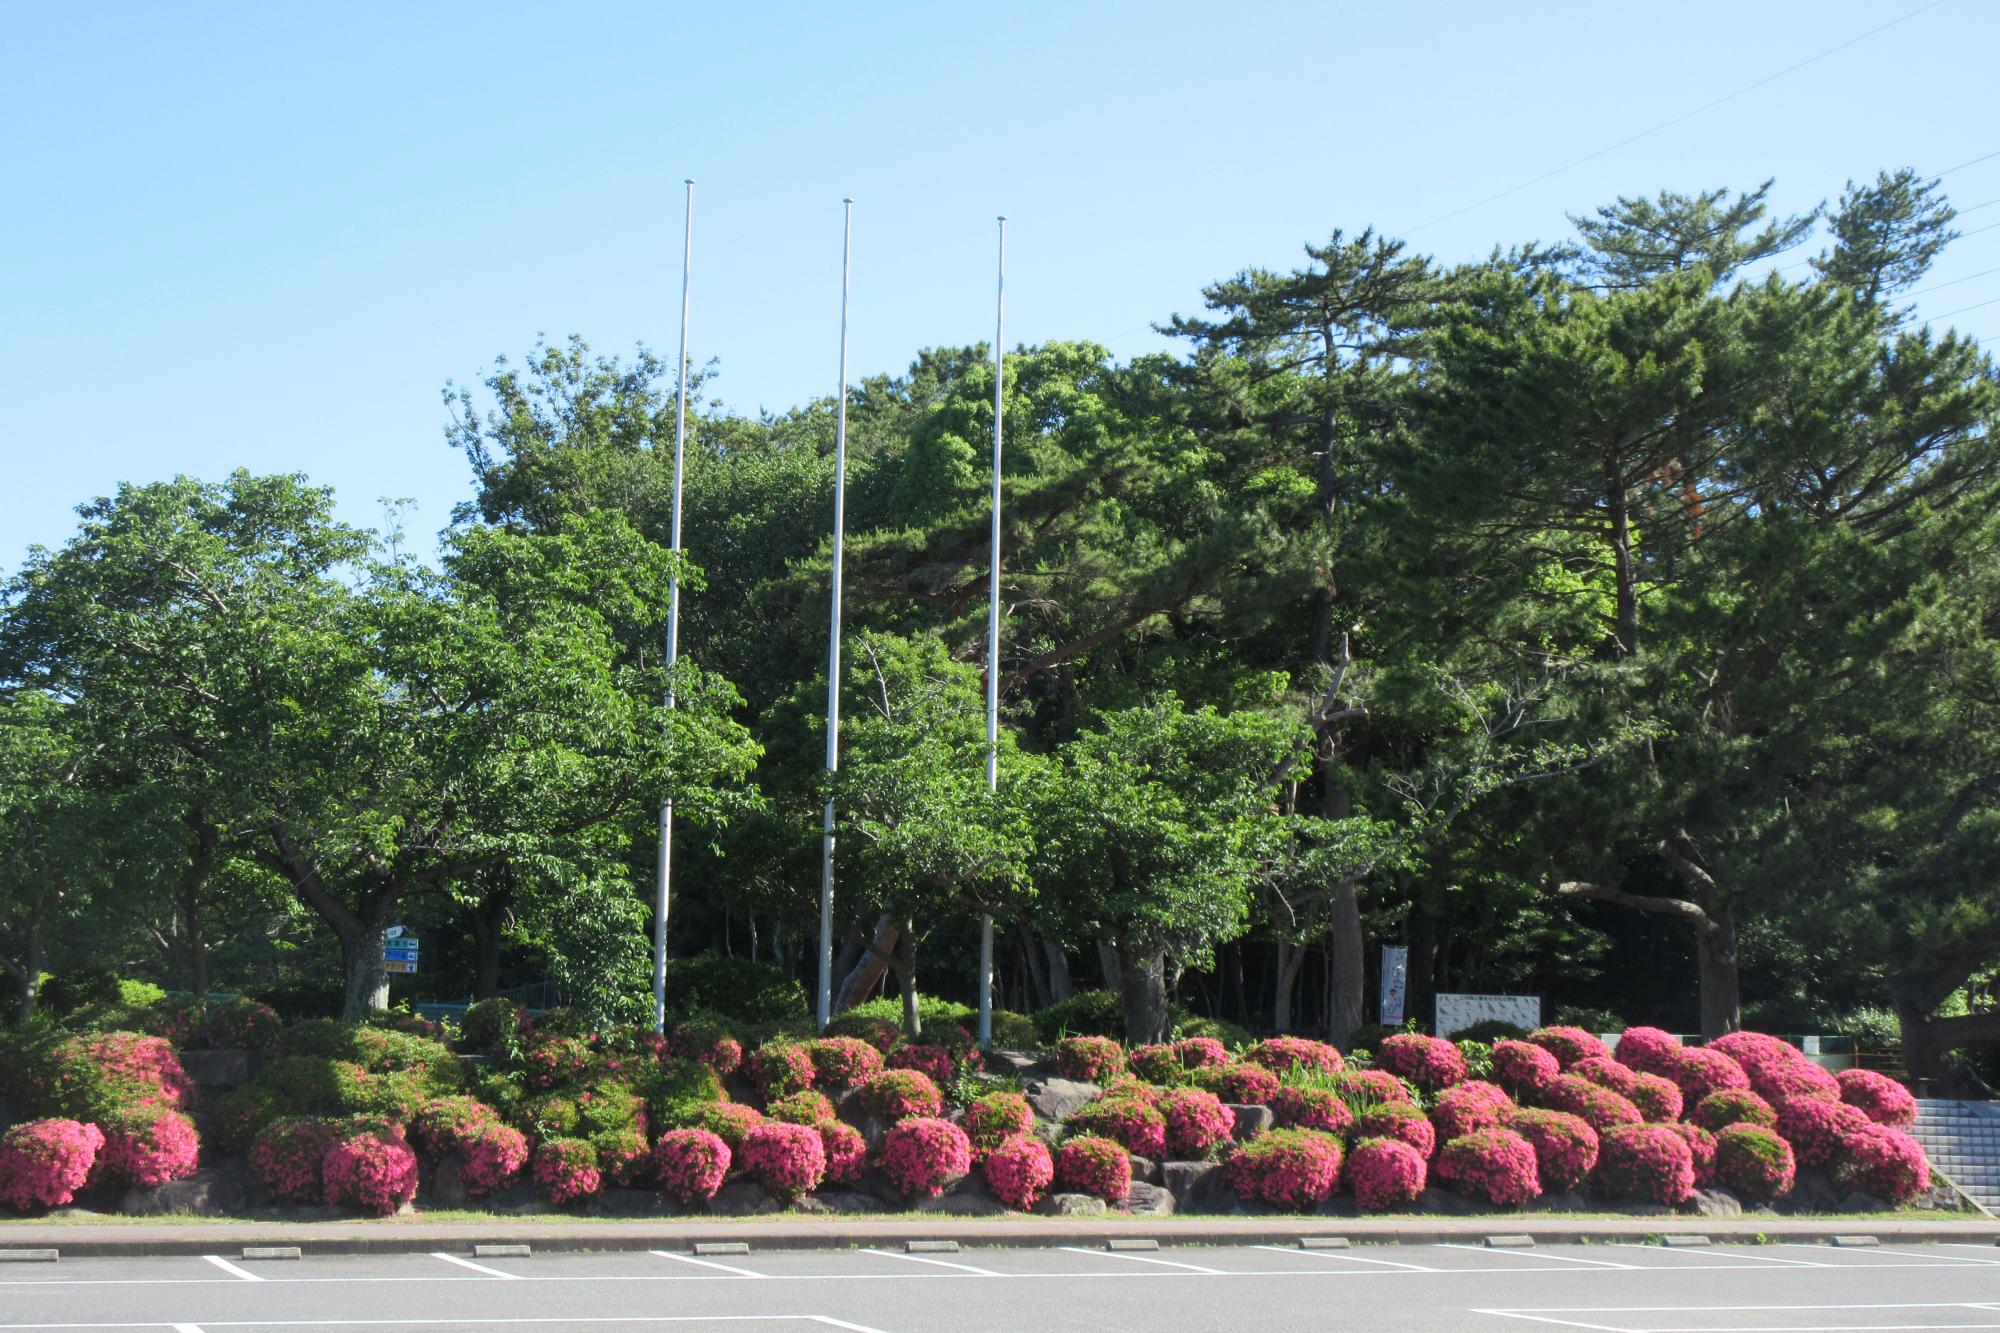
point(665, 868)
point(833, 639)
point(993, 628)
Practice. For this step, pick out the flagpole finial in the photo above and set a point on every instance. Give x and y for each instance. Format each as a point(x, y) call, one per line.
point(688, 181)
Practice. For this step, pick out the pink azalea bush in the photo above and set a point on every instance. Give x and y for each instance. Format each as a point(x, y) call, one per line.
point(846, 1151)
point(286, 1157)
point(1200, 1052)
point(1091, 1059)
point(565, 1170)
point(242, 1024)
point(1701, 1145)
point(100, 1072)
point(712, 1047)
point(1704, 1071)
point(728, 1121)
point(1569, 1045)
point(787, 1160)
point(1283, 1054)
point(1606, 1072)
point(1242, 1083)
point(923, 1156)
point(1363, 1088)
point(1020, 1169)
point(1497, 1165)
point(882, 1033)
point(1658, 1099)
point(1432, 1063)
point(1566, 1147)
point(493, 1155)
point(1881, 1098)
point(373, 1171)
point(1197, 1122)
point(1523, 1068)
point(1385, 1174)
point(146, 1146)
point(778, 1069)
point(1782, 1083)
point(553, 1058)
point(43, 1163)
point(995, 1118)
point(1136, 1088)
point(929, 1059)
point(1649, 1162)
point(1650, 1051)
point(1290, 1168)
point(1882, 1161)
point(690, 1164)
point(1127, 1120)
point(894, 1094)
point(624, 1158)
point(842, 1062)
point(1096, 1167)
point(1816, 1128)
point(1466, 1107)
point(1733, 1106)
point(808, 1107)
point(1156, 1063)
point(1602, 1107)
point(1753, 1162)
point(1397, 1120)
point(442, 1124)
point(1310, 1108)
point(1756, 1048)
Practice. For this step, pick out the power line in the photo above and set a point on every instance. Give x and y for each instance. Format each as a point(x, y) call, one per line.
point(1963, 165)
point(1954, 282)
point(1706, 106)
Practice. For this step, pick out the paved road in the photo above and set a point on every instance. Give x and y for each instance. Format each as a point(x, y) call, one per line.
point(1459, 1289)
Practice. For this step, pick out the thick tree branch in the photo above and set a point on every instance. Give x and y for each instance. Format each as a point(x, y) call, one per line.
point(1686, 911)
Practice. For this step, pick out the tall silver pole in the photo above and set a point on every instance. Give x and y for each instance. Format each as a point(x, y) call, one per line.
point(993, 627)
point(833, 639)
point(663, 877)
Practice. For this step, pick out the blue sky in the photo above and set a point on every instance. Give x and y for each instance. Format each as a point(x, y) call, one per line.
point(266, 235)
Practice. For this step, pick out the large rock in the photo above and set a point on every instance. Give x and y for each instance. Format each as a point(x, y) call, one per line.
point(445, 1186)
point(1059, 1098)
point(1073, 1205)
point(850, 1201)
point(850, 1108)
point(1857, 1202)
point(1812, 1192)
point(1148, 1201)
point(1716, 1202)
point(969, 1196)
point(1145, 1168)
point(1251, 1121)
point(209, 1192)
point(1012, 1062)
point(1198, 1187)
point(743, 1198)
point(1568, 1202)
point(221, 1068)
point(1449, 1204)
point(619, 1202)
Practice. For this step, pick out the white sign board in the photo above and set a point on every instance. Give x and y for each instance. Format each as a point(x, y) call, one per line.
point(1395, 983)
point(1458, 1012)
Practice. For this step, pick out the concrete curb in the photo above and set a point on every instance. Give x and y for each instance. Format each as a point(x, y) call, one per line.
point(142, 1240)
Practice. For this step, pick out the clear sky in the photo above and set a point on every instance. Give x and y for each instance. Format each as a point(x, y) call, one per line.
point(264, 235)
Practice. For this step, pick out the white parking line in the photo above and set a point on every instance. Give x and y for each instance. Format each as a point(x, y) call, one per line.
point(1549, 1315)
point(1537, 1254)
point(1143, 1259)
point(1350, 1258)
point(231, 1269)
point(477, 1268)
point(1950, 1258)
point(542, 1321)
point(925, 1259)
point(706, 1263)
point(186, 1328)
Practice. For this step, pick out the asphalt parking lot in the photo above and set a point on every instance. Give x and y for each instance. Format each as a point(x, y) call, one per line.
point(1607, 1288)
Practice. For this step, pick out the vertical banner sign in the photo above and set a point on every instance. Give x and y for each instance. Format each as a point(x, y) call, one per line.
point(1395, 983)
point(399, 953)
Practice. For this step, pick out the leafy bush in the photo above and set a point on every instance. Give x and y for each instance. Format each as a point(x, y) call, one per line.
point(1754, 1162)
point(1014, 1032)
point(709, 1042)
point(729, 1121)
point(1432, 1063)
point(1386, 1174)
point(1087, 1013)
point(884, 1034)
point(493, 1155)
point(1290, 1168)
point(288, 1155)
point(926, 1058)
point(1565, 1145)
point(752, 992)
point(565, 1170)
point(895, 1094)
point(1197, 1123)
point(1396, 1120)
point(841, 1062)
point(73, 988)
point(1365, 1040)
point(233, 1117)
point(1019, 1169)
point(493, 1027)
point(1363, 1089)
point(1570, 1045)
point(1282, 1054)
point(43, 1163)
point(801, 1108)
point(690, 1164)
point(1241, 1083)
point(1600, 1106)
point(1586, 1018)
point(1816, 1128)
point(1719, 1110)
point(1872, 1029)
point(1497, 1165)
point(846, 1151)
point(932, 1012)
point(1879, 1097)
point(146, 1145)
point(1703, 1071)
point(1125, 1120)
point(995, 1118)
point(1884, 1162)
point(242, 1024)
point(787, 1160)
point(1157, 1063)
point(1650, 1162)
point(1092, 1059)
point(552, 1059)
point(1229, 1034)
point(1650, 1051)
point(1097, 1167)
point(779, 1068)
point(677, 1092)
point(443, 1125)
point(923, 1155)
point(1523, 1068)
point(372, 1171)
point(1297, 1106)
point(1465, 1107)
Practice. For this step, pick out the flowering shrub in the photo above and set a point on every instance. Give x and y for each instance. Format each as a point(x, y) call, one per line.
point(779, 1069)
point(1496, 1165)
point(923, 1155)
point(1095, 1166)
point(1754, 1162)
point(490, 1026)
point(1735, 1106)
point(1386, 1174)
point(846, 1151)
point(1281, 1054)
point(707, 1044)
point(565, 1170)
point(552, 1058)
point(1158, 1063)
point(1884, 1162)
point(1397, 1120)
point(932, 1061)
point(728, 1121)
point(623, 1157)
point(493, 1155)
point(1201, 1052)
point(1020, 1169)
point(995, 1118)
point(1565, 1145)
point(1816, 1128)
point(373, 1171)
point(1432, 1063)
point(1658, 1098)
point(895, 1093)
point(801, 1108)
point(841, 1062)
point(100, 1073)
point(787, 1160)
point(1241, 1083)
point(1140, 1127)
point(1091, 1059)
point(1649, 1162)
point(442, 1124)
point(1804, 1080)
point(1569, 1045)
point(1197, 1121)
point(1291, 1168)
point(1602, 1107)
point(1881, 1098)
point(881, 1033)
point(690, 1164)
point(43, 1163)
point(1650, 1051)
point(1310, 1108)
point(1701, 1145)
point(1756, 1048)
point(148, 1145)
point(1606, 1073)
point(1365, 1088)
point(1523, 1068)
point(1466, 1107)
point(235, 1116)
point(1135, 1088)
point(286, 1157)
point(1703, 1071)
point(242, 1024)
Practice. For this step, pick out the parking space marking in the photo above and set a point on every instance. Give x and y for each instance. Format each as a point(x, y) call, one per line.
point(1350, 1258)
point(543, 1321)
point(477, 1268)
point(926, 1259)
point(706, 1263)
point(1538, 1254)
point(231, 1269)
point(1634, 1317)
point(186, 1328)
point(1143, 1259)
point(1951, 1258)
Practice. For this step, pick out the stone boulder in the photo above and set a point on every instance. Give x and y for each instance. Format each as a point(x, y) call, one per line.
point(1445, 1203)
point(1059, 1098)
point(1072, 1205)
point(1251, 1121)
point(1148, 1201)
point(1198, 1187)
point(1012, 1062)
point(209, 1192)
point(969, 1196)
point(444, 1186)
point(1715, 1202)
point(1567, 1202)
point(615, 1201)
point(850, 1201)
point(221, 1068)
point(1146, 1169)
point(743, 1198)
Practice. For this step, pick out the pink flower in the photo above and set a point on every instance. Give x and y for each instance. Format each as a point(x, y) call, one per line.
point(1522, 1067)
point(1201, 1052)
point(1196, 1123)
point(1466, 1107)
point(809, 1107)
point(779, 1068)
point(1127, 1120)
point(1566, 1146)
point(1569, 1045)
point(1432, 1063)
point(1021, 1168)
point(1242, 1083)
point(1816, 1128)
point(1095, 1166)
point(1310, 1108)
point(932, 1061)
point(1497, 1165)
point(149, 1145)
point(1881, 1098)
point(443, 1125)
point(1884, 1162)
point(1386, 1174)
point(565, 1170)
point(729, 1121)
point(690, 1164)
point(923, 1155)
point(787, 1160)
point(1602, 1107)
point(373, 1171)
point(1397, 1120)
point(1650, 1162)
point(1650, 1051)
point(896, 1093)
point(1282, 1054)
point(1091, 1059)
point(286, 1157)
point(43, 1163)
point(1733, 1106)
point(493, 1154)
point(846, 1151)
point(1364, 1088)
point(1703, 1070)
point(1291, 1168)
point(841, 1062)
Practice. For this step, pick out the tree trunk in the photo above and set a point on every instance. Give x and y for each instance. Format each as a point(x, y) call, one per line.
point(906, 979)
point(867, 973)
point(486, 926)
point(1290, 959)
point(1143, 996)
point(1108, 962)
point(1721, 997)
point(1347, 957)
point(197, 945)
point(1060, 986)
point(1031, 959)
point(1624, 570)
point(367, 979)
point(27, 973)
